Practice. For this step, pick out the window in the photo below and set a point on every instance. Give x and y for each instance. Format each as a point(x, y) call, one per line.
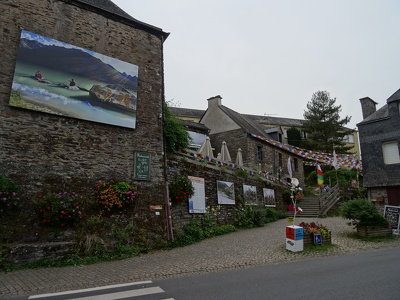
point(259, 153)
point(285, 133)
point(296, 164)
point(391, 153)
point(348, 138)
point(280, 160)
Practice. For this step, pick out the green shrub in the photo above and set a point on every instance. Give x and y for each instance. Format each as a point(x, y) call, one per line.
point(197, 230)
point(286, 194)
point(110, 237)
point(223, 229)
point(273, 215)
point(10, 201)
point(241, 173)
point(362, 212)
point(194, 230)
point(249, 216)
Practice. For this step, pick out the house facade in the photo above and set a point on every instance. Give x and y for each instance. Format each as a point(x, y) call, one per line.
point(379, 133)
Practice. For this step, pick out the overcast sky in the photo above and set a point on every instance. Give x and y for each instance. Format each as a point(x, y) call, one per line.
point(267, 57)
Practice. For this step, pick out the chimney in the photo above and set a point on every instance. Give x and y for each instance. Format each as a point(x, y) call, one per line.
point(368, 106)
point(214, 102)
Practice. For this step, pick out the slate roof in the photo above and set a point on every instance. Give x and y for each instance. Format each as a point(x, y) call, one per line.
point(383, 112)
point(245, 123)
point(380, 114)
point(277, 120)
point(111, 9)
point(187, 112)
point(252, 118)
point(394, 97)
point(242, 120)
point(195, 125)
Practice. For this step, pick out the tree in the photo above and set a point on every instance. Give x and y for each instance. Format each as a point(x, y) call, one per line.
point(175, 133)
point(294, 136)
point(323, 125)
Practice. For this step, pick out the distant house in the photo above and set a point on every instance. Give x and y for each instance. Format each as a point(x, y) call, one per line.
point(379, 133)
point(239, 131)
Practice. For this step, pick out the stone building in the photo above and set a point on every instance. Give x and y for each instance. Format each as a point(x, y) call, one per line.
point(276, 127)
point(238, 132)
point(48, 149)
point(379, 133)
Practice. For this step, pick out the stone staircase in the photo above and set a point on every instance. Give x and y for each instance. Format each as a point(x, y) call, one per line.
point(317, 206)
point(310, 207)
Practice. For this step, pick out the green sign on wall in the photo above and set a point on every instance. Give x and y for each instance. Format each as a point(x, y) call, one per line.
point(142, 166)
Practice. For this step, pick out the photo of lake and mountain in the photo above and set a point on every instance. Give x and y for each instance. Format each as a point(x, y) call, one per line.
point(58, 78)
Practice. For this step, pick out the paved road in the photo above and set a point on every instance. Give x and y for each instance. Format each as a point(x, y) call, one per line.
point(246, 248)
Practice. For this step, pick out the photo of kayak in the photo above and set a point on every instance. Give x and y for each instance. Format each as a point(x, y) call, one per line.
point(58, 78)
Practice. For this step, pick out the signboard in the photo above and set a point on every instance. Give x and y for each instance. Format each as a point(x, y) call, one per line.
point(141, 168)
point(317, 238)
point(392, 214)
point(197, 203)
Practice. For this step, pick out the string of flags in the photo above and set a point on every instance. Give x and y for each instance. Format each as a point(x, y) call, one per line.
point(340, 160)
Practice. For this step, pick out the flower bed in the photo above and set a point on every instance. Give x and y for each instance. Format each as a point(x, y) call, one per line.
point(313, 228)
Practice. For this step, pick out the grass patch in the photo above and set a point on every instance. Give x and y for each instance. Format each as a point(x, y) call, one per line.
point(375, 239)
point(309, 249)
point(75, 261)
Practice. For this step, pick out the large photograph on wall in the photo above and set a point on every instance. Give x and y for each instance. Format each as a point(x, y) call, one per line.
point(250, 194)
point(62, 79)
point(197, 203)
point(269, 197)
point(226, 192)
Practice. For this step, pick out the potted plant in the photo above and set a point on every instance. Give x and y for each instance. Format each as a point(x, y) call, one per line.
point(181, 189)
point(365, 216)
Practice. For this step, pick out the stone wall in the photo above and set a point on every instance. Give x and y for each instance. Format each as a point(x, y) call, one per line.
point(44, 152)
point(181, 166)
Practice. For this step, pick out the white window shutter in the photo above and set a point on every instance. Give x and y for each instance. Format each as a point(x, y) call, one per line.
point(391, 153)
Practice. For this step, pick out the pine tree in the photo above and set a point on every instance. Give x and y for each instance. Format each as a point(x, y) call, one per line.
point(294, 137)
point(323, 125)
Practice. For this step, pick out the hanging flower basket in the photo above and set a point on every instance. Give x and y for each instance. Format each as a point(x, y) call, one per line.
point(181, 189)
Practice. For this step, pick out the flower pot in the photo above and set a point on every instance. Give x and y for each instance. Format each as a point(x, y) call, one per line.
point(372, 231)
point(308, 238)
